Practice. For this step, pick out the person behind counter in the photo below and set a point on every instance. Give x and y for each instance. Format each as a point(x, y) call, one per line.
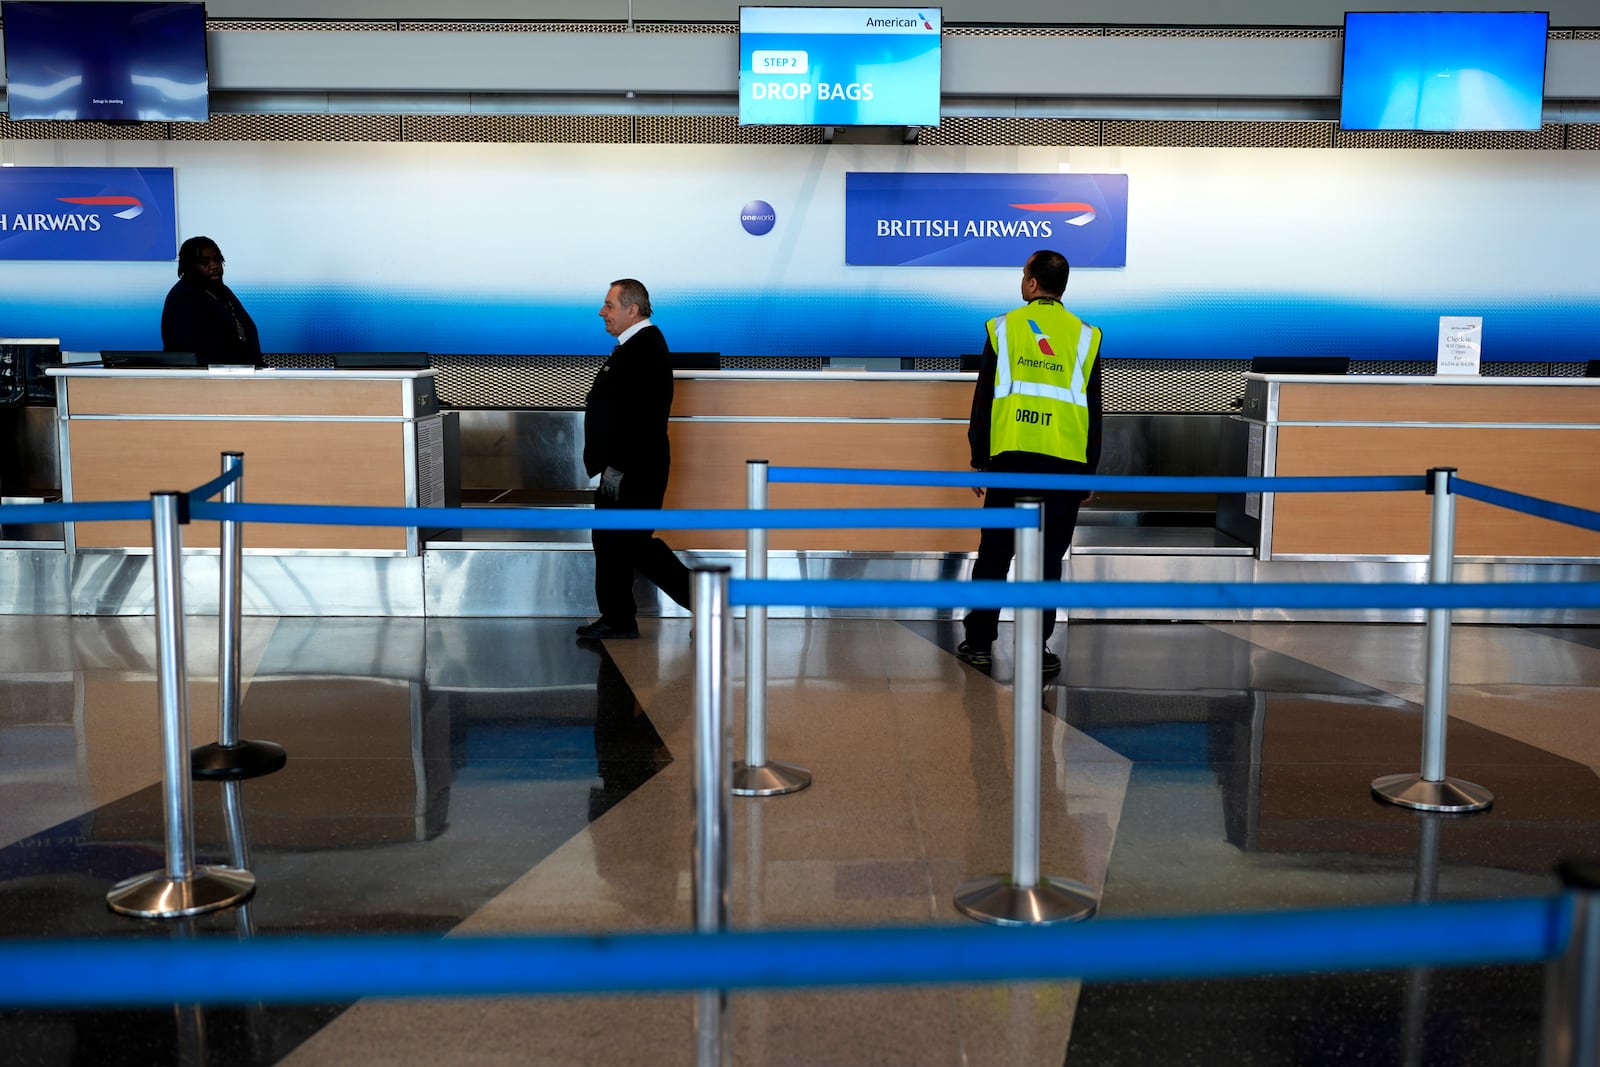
point(203, 316)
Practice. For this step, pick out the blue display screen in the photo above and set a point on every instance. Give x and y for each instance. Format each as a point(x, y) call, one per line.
point(106, 61)
point(1443, 70)
point(839, 66)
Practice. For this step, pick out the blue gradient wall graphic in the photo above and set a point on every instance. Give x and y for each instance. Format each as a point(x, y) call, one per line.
point(505, 249)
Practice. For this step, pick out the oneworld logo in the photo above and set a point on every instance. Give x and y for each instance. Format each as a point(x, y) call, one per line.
point(757, 218)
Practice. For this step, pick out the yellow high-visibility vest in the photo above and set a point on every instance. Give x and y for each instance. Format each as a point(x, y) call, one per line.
point(1044, 354)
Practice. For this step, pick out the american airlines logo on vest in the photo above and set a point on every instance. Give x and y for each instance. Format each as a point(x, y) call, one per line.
point(984, 220)
point(101, 213)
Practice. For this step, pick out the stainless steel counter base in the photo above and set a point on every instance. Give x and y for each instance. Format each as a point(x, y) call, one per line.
point(49, 581)
point(523, 579)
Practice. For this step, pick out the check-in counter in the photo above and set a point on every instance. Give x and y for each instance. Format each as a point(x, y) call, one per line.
point(338, 437)
point(1539, 437)
point(896, 420)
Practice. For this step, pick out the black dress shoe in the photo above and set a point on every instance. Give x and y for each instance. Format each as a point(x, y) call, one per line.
point(601, 630)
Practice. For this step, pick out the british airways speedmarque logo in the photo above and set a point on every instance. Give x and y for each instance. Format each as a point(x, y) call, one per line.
point(1078, 214)
point(133, 208)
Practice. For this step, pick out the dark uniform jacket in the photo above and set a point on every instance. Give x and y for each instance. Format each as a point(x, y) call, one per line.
point(211, 323)
point(625, 418)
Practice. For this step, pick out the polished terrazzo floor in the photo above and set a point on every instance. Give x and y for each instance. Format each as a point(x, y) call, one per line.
point(495, 775)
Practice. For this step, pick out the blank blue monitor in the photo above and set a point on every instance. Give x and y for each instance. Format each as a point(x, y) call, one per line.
point(106, 61)
point(1443, 70)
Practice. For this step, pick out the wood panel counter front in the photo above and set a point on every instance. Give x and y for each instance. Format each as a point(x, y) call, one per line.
point(308, 437)
point(1538, 437)
point(886, 420)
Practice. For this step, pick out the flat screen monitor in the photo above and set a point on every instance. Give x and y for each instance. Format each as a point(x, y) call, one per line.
point(381, 360)
point(1443, 71)
point(696, 360)
point(1300, 364)
point(145, 359)
point(839, 66)
point(106, 61)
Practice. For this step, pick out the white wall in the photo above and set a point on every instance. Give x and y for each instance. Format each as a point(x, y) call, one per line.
point(508, 248)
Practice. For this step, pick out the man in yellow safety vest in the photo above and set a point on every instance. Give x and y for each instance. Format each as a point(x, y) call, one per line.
point(1036, 410)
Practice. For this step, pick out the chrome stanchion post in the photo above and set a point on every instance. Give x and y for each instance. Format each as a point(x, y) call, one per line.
point(1432, 790)
point(713, 807)
point(181, 888)
point(231, 757)
point(1572, 981)
point(1026, 898)
point(754, 776)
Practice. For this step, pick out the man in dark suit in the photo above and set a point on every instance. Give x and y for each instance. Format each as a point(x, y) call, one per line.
point(625, 443)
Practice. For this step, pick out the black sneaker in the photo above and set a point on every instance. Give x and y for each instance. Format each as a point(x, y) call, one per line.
point(600, 630)
point(979, 656)
point(1049, 663)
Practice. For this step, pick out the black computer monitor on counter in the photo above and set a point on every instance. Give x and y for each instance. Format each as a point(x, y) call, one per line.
point(145, 359)
point(381, 360)
point(1300, 364)
point(696, 360)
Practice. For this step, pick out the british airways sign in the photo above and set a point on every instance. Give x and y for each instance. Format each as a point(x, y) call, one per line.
point(984, 220)
point(101, 213)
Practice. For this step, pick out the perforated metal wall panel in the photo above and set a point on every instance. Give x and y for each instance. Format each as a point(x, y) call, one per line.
point(773, 363)
point(514, 381)
point(342, 128)
point(1488, 369)
point(718, 129)
point(1584, 136)
point(1169, 134)
point(297, 360)
point(51, 130)
point(520, 26)
point(1237, 33)
point(960, 130)
point(1171, 386)
point(1022, 31)
point(520, 129)
point(1551, 135)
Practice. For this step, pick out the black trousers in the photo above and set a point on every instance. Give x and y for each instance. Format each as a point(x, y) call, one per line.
point(619, 553)
point(996, 548)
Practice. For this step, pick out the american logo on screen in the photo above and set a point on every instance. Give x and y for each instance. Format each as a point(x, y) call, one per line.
point(102, 213)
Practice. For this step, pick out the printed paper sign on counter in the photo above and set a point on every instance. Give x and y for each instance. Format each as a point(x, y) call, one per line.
point(1460, 344)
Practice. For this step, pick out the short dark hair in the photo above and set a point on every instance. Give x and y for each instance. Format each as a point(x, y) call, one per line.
point(632, 291)
point(189, 253)
point(1050, 270)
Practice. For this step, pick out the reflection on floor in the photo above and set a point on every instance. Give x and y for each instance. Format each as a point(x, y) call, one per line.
point(496, 775)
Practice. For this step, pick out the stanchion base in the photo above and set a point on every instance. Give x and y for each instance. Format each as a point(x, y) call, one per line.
point(768, 780)
point(998, 900)
point(1415, 791)
point(157, 895)
point(247, 759)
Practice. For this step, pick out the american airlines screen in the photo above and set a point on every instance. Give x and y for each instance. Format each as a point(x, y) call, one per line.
point(839, 66)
